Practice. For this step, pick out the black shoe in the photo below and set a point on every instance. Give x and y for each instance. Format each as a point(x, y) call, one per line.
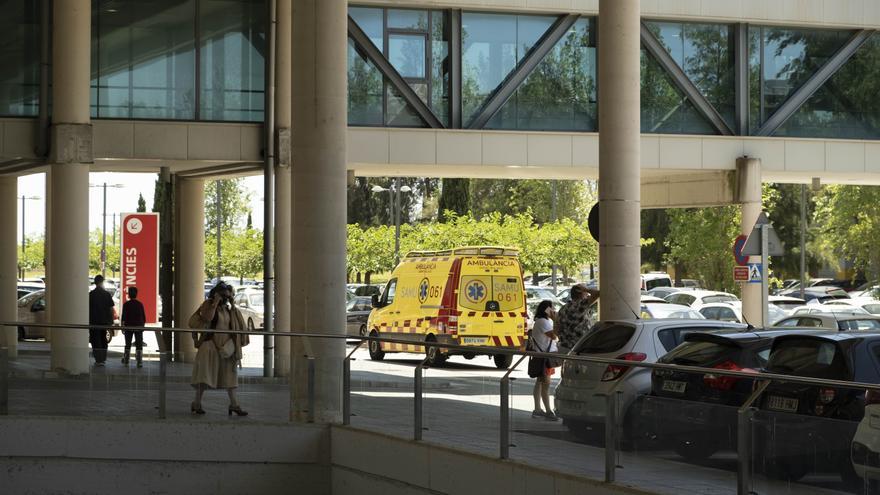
point(196, 410)
point(237, 410)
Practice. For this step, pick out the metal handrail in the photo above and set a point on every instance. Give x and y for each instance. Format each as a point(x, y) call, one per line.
point(491, 350)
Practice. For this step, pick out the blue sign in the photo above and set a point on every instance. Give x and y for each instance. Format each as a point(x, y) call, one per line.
point(738, 243)
point(755, 276)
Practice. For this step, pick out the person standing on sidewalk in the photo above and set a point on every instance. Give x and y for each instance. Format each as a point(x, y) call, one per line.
point(574, 321)
point(133, 315)
point(100, 314)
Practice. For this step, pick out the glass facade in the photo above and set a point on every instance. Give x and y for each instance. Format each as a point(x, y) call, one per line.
point(561, 93)
point(19, 57)
point(415, 43)
point(665, 109)
point(705, 52)
point(144, 59)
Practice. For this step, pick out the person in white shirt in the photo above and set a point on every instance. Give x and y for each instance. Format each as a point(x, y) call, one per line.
point(543, 339)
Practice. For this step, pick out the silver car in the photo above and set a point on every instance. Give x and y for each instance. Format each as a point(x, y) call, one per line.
point(580, 395)
point(32, 309)
point(250, 303)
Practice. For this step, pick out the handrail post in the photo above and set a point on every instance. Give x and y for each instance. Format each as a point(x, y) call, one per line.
point(744, 417)
point(610, 436)
point(418, 397)
point(4, 381)
point(163, 382)
point(504, 437)
point(311, 391)
point(346, 385)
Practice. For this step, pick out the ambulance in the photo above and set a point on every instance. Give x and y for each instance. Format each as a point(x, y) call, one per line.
point(469, 296)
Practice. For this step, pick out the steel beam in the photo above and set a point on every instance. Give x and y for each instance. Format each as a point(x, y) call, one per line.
point(655, 47)
point(816, 81)
point(366, 47)
point(455, 54)
point(526, 66)
point(741, 77)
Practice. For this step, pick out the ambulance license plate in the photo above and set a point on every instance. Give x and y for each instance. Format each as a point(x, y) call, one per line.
point(473, 340)
point(786, 404)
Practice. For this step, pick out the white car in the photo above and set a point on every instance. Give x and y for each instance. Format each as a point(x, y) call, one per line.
point(697, 298)
point(869, 304)
point(32, 309)
point(732, 311)
point(786, 303)
point(837, 309)
point(580, 395)
point(250, 303)
point(655, 279)
point(667, 310)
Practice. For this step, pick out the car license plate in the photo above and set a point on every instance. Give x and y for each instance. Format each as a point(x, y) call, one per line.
point(673, 386)
point(473, 340)
point(786, 404)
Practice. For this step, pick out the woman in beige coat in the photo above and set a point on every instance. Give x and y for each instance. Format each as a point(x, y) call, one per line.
point(218, 353)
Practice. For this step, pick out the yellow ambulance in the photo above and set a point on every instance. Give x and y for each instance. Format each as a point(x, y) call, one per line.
point(469, 296)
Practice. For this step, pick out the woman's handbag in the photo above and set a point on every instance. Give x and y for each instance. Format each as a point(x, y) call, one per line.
point(227, 350)
point(537, 365)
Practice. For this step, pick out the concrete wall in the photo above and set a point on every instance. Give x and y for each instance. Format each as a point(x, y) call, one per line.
point(113, 456)
point(365, 463)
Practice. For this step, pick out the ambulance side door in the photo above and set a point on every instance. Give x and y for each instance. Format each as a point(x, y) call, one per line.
point(387, 310)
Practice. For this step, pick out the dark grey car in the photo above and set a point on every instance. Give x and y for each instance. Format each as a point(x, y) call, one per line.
point(356, 313)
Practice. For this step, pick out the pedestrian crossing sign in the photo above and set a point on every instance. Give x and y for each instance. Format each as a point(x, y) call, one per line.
point(755, 276)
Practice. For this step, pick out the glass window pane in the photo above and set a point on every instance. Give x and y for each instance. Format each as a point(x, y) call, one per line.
point(406, 52)
point(370, 21)
point(145, 65)
point(408, 19)
point(364, 90)
point(783, 59)
point(846, 106)
point(231, 69)
point(665, 110)
point(439, 67)
point(561, 93)
point(492, 45)
point(398, 113)
point(19, 57)
point(705, 53)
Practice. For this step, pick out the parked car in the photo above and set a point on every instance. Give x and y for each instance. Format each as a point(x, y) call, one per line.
point(356, 313)
point(689, 283)
point(697, 298)
point(25, 288)
point(664, 309)
point(830, 321)
point(803, 428)
point(250, 303)
point(662, 292)
point(786, 303)
point(865, 450)
point(655, 279)
point(32, 309)
point(732, 311)
point(578, 396)
point(835, 309)
point(696, 414)
point(818, 293)
point(534, 296)
point(869, 304)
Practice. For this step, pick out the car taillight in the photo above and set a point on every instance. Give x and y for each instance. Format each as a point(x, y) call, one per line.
point(721, 382)
point(615, 371)
point(872, 397)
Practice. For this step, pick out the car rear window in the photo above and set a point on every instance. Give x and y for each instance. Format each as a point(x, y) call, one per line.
point(808, 357)
point(719, 298)
point(699, 353)
point(605, 340)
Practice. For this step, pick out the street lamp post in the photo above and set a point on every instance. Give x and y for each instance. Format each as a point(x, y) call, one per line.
point(23, 238)
point(104, 225)
point(395, 211)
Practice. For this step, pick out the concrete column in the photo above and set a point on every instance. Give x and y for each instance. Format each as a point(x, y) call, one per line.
point(282, 185)
point(190, 262)
point(750, 196)
point(319, 109)
point(9, 262)
point(67, 273)
point(619, 158)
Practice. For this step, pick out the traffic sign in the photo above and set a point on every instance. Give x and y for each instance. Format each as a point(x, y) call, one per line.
point(753, 243)
point(593, 222)
point(740, 274)
point(755, 276)
point(738, 244)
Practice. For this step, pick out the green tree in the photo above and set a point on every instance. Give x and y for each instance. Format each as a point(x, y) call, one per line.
point(96, 238)
point(34, 258)
point(453, 198)
point(848, 226)
point(699, 241)
point(242, 253)
point(234, 205)
point(142, 204)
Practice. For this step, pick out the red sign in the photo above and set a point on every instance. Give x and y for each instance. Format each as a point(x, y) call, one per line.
point(741, 274)
point(139, 260)
point(738, 244)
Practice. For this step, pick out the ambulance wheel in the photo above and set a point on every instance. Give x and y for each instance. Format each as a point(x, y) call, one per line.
point(433, 355)
point(503, 361)
point(376, 352)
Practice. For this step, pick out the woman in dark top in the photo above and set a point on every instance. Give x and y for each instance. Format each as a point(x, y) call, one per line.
point(133, 315)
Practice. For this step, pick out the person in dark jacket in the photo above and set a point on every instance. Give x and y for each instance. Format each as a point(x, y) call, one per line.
point(100, 313)
point(133, 315)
